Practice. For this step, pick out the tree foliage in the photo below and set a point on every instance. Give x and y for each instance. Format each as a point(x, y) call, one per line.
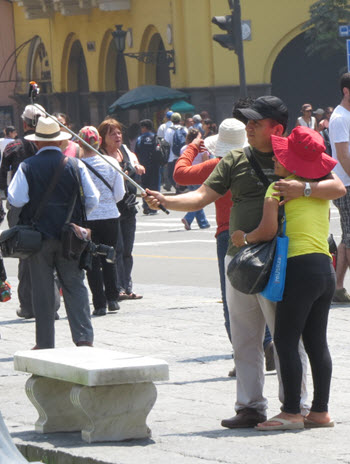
point(322, 32)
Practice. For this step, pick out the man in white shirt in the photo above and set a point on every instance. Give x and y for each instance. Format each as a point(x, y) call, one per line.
point(339, 134)
point(163, 127)
point(169, 137)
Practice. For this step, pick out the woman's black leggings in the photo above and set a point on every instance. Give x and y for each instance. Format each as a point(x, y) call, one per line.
point(310, 285)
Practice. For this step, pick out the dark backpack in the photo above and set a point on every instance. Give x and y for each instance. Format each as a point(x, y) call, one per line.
point(162, 150)
point(179, 140)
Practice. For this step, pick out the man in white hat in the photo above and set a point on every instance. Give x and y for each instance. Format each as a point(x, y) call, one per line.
point(26, 190)
point(14, 153)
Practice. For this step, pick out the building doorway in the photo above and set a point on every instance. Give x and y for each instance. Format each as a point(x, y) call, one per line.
point(298, 78)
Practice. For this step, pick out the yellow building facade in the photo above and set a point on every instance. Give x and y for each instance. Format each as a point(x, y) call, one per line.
point(73, 56)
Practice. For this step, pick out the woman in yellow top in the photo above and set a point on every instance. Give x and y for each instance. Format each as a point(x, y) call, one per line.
point(310, 278)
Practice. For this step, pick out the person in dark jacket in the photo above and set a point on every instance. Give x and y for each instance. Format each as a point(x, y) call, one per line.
point(26, 190)
point(146, 152)
point(16, 152)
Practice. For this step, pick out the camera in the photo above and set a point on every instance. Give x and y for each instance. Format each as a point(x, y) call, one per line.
point(94, 249)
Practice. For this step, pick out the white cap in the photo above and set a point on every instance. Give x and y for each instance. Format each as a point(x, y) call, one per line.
point(31, 114)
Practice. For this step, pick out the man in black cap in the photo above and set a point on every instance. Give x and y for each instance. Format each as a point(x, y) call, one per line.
point(267, 116)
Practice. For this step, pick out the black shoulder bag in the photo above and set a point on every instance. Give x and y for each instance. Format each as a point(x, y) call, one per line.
point(127, 204)
point(250, 268)
point(75, 238)
point(22, 241)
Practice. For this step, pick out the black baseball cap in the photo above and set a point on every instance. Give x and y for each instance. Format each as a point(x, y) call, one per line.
point(267, 107)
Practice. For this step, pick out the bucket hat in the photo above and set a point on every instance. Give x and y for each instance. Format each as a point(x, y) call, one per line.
point(303, 153)
point(47, 130)
point(231, 136)
point(267, 107)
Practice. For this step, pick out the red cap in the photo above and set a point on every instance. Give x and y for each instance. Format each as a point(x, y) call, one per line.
point(303, 153)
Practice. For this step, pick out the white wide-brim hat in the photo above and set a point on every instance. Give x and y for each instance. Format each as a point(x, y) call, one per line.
point(47, 130)
point(231, 136)
point(210, 143)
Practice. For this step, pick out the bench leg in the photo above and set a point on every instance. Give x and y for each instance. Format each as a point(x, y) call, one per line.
point(116, 412)
point(51, 398)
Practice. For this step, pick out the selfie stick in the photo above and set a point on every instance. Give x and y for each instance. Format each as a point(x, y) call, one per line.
point(34, 91)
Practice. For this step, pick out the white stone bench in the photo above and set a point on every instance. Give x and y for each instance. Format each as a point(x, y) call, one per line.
point(9, 454)
point(105, 394)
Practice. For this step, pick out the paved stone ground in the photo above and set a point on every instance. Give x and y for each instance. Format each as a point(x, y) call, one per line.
point(184, 326)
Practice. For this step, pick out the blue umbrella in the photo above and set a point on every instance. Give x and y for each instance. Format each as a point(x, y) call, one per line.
point(146, 95)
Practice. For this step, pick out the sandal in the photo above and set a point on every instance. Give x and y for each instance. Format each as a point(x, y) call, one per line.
point(284, 424)
point(129, 296)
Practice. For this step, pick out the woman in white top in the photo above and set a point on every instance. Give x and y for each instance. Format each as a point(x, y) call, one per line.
point(112, 145)
point(307, 120)
point(103, 222)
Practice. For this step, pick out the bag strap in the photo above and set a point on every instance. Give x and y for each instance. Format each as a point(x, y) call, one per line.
point(81, 194)
point(259, 172)
point(97, 174)
point(256, 166)
point(49, 190)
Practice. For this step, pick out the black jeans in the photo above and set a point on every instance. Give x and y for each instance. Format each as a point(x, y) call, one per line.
point(126, 238)
point(102, 277)
point(310, 285)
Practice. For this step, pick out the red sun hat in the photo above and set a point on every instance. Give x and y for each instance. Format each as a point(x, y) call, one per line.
point(303, 153)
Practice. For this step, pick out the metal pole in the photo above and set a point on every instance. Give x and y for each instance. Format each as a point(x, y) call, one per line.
point(237, 28)
point(135, 184)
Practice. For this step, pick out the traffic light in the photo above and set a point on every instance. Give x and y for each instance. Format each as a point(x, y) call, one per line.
point(226, 23)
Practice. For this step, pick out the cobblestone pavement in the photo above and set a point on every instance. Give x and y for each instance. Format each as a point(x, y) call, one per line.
point(183, 326)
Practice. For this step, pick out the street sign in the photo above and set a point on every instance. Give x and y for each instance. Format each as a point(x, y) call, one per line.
point(344, 30)
point(348, 53)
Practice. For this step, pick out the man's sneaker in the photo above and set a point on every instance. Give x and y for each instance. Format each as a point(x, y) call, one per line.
point(245, 418)
point(341, 296)
point(186, 224)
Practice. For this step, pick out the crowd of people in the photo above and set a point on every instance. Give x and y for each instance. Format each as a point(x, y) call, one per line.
point(50, 180)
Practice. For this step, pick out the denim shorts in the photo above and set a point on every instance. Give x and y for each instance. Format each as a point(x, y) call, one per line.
point(343, 205)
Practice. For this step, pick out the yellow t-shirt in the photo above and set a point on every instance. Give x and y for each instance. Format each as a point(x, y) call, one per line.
point(307, 224)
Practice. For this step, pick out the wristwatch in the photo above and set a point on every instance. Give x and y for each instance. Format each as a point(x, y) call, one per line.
point(307, 189)
point(245, 239)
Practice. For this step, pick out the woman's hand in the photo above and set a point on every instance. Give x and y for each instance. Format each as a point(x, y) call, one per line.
point(238, 238)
